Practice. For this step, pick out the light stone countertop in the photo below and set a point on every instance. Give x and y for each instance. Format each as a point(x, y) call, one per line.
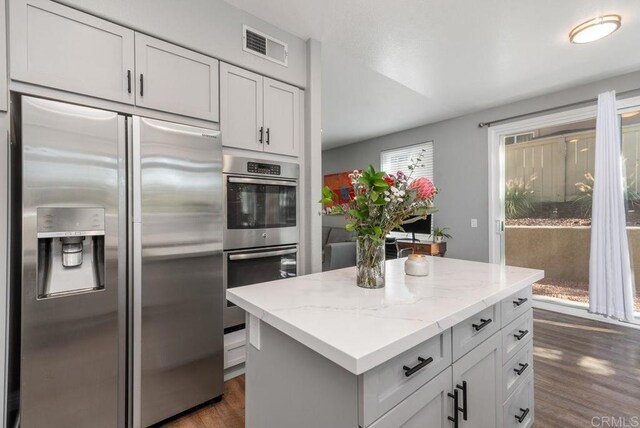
point(359, 329)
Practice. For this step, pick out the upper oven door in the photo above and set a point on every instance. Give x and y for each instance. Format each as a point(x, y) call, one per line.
point(260, 212)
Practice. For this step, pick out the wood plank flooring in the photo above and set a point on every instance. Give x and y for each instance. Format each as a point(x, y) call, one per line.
point(583, 369)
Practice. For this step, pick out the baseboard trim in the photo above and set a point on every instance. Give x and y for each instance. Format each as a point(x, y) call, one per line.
point(580, 312)
point(234, 371)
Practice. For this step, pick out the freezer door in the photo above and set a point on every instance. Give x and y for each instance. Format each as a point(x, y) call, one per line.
point(73, 176)
point(178, 298)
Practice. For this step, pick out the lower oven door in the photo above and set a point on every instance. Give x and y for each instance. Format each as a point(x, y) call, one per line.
point(245, 267)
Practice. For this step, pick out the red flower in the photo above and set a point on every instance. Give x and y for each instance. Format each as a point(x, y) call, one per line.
point(424, 188)
point(389, 180)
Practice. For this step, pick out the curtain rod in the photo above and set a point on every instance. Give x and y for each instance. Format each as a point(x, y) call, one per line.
point(546, 110)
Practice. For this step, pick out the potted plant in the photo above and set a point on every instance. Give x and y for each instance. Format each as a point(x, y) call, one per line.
point(440, 233)
point(380, 202)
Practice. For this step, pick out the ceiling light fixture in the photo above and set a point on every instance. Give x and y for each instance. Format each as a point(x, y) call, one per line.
point(595, 29)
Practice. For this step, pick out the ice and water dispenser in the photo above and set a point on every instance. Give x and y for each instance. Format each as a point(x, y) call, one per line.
point(70, 250)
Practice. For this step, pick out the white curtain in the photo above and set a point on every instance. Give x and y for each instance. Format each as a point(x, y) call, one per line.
point(611, 285)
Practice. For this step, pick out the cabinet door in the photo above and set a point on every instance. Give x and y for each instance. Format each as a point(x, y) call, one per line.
point(429, 406)
point(478, 375)
point(3, 59)
point(59, 47)
point(241, 107)
point(281, 118)
point(176, 80)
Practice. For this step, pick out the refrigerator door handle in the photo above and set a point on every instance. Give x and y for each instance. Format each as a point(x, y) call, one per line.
point(136, 168)
point(137, 323)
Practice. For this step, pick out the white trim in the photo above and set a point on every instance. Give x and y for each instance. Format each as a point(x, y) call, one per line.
point(496, 161)
point(579, 312)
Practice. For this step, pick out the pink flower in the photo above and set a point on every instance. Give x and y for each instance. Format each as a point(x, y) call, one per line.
point(425, 189)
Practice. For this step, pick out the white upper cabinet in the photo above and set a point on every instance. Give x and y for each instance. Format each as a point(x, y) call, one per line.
point(258, 113)
point(3, 59)
point(241, 108)
point(281, 117)
point(56, 46)
point(174, 79)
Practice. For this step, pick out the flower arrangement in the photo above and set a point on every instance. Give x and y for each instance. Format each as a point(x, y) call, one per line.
point(379, 203)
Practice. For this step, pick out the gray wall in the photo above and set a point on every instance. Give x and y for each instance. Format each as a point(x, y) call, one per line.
point(461, 161)
point(211, 27)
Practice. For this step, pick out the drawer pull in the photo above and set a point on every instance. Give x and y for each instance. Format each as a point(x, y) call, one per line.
point(524, 414)
point(522, 334)
point(463, 409)
point(522, 368)
point(456, 408)
point(482, 324)
point(519, 301)
point(408, 371)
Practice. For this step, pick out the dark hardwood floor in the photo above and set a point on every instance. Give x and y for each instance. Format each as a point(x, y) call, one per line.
point(583, 370)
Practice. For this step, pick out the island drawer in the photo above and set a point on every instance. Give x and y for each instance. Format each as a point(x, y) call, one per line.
point(429, 406)
point(518, 410)
point(516, 335)
point(474, 330)
point(386, 385)
point(515, 305)
point(516, 370)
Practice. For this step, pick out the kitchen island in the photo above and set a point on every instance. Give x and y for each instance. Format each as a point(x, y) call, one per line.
point(452, 349)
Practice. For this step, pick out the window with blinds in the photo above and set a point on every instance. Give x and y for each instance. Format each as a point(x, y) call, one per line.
point(394, 160)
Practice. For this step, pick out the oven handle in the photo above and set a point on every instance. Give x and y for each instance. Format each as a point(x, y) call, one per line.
point(262, 181)
point(261, 255)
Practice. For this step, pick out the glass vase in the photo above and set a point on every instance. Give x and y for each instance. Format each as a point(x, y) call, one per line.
point(369, 262)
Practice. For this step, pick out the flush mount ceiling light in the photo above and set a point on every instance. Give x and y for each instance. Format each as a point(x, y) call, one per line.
point(595, 29)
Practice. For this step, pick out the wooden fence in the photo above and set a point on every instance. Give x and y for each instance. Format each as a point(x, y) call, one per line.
point(553, 166)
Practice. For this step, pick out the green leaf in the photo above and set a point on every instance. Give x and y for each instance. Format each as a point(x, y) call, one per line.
point(350, 227)
point(373, 195)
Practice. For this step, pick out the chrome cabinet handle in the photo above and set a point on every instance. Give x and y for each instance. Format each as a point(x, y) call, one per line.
point(423, 362)
point(483, 324)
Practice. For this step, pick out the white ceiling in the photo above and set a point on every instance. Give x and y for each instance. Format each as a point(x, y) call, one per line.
point(392, 65)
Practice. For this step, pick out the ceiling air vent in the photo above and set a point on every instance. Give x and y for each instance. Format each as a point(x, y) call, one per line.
point(264, 46)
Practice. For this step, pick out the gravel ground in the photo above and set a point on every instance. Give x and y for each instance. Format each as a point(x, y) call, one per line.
point(564, 222)
point(568, 290)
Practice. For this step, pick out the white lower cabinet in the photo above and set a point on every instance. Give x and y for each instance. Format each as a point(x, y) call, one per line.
point(430, 406)
point(478, 379)
point(518, 410)
point(478, 374)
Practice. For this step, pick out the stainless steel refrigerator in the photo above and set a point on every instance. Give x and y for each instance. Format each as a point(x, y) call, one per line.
point(120, 266)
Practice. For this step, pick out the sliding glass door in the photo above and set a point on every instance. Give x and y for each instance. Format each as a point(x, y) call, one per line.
point(630, 127)
point(547, 204)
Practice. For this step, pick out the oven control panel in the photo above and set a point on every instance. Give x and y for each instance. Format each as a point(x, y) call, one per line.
point(263, 168)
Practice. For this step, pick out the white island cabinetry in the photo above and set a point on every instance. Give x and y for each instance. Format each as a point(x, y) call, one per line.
point(449, 350)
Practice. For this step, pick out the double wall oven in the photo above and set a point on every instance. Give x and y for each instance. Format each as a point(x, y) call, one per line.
point(260, 225)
